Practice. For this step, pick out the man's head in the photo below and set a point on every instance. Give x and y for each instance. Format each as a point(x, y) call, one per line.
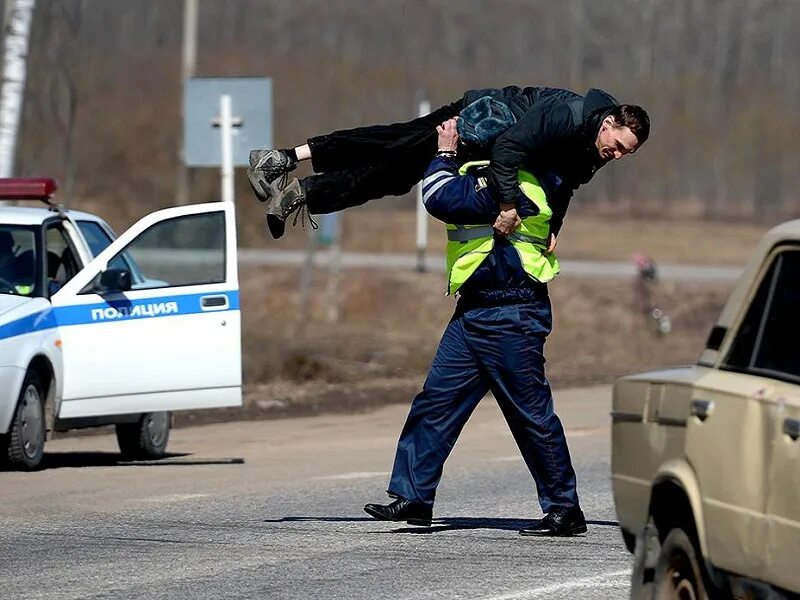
point(622, 132)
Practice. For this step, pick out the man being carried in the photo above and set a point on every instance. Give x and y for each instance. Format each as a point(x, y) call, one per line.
point(494, 342)
point(554, 130)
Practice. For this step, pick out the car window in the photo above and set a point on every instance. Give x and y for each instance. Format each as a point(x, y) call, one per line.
point(766, 342)
point(98, 240)
point(186, 250)
point(61, 261)
point(17, 260)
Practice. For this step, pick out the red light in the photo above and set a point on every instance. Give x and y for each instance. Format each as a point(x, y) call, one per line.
point(27, 188)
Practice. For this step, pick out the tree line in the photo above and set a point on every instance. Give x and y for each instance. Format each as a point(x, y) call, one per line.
point(719, 78)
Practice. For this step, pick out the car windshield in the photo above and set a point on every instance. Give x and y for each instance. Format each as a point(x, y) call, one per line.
point(17, 260)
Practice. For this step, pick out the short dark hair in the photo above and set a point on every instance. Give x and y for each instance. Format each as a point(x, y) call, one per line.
point(634, 118)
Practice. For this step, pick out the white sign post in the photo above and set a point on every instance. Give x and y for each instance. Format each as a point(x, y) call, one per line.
point(422, 214)
point(226, 146)
point(226, 122)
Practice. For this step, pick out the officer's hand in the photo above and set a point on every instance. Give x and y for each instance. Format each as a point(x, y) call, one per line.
point(448, 136)
point(552, 242)
point(508, 220)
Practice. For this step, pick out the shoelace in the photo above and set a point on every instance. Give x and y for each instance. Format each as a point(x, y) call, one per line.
point(289, 166)
point(301, 214)
point(282, 180)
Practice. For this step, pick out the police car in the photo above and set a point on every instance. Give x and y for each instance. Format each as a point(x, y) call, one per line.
point(98, 330)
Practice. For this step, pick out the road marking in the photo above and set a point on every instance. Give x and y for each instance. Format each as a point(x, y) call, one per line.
point(354, 475)
point(605, 580)
point(174, 498)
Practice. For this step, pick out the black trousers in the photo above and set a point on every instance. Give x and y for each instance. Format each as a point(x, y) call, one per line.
point(362, 164)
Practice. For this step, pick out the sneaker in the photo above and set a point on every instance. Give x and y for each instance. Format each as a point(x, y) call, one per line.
point(269, 172)
point(286, 201)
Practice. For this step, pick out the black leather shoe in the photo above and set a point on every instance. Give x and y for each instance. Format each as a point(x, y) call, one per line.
point(559, 522)
point(413, 513)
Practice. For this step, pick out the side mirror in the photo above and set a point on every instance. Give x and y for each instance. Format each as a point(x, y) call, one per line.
point(115, 280)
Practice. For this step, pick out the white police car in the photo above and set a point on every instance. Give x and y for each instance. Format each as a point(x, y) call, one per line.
point(96, 330)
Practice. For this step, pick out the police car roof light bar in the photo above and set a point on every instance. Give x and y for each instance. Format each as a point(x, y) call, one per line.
point(28, 188)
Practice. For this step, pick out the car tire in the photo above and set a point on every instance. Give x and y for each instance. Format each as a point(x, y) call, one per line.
point(678, 574)
point(23, 446)
point(147, 438)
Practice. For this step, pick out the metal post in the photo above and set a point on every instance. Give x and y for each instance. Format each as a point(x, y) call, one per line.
point(422, 215)
point(187, 72)
point(334, 269)
point(306, 280)
point(226, 145)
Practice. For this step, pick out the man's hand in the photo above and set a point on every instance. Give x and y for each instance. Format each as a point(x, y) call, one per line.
point(508, 220)
point(552, 242)
point(448, 135)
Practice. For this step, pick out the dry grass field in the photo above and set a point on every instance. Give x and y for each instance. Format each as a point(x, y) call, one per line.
point(389, 324)
point(378, 348)
point(373, 341)
point(583, 236)
point(376, 344)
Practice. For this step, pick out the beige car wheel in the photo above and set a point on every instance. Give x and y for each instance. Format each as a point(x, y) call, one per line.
point(678, 575)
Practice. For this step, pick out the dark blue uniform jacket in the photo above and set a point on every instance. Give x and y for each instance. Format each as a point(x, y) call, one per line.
point(454, 199)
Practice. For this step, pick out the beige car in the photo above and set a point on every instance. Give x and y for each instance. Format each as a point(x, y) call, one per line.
point(706, 459)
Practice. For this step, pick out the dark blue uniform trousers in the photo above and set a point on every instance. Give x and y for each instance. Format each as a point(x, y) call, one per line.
point(497, 349)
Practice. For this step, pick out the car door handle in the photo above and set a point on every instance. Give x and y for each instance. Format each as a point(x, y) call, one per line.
point(214, 302)
point(702, 408)
point(791, 427)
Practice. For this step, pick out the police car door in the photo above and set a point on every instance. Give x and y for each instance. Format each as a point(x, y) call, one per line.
point(153, 322)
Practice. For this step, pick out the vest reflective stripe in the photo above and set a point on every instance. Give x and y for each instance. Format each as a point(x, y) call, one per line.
point(524, 237)
point(465, 234)
point(469, 245)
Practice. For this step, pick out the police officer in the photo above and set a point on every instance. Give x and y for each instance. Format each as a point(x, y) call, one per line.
point(494, 342)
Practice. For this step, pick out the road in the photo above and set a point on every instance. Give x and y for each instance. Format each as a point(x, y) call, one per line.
point(288, 522)
point(569, 268)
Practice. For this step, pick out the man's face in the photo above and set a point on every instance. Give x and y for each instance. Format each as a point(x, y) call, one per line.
point(613, 142)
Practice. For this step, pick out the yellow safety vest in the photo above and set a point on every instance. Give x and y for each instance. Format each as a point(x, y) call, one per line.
point(469, 245)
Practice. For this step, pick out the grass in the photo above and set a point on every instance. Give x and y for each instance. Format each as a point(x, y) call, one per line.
point(385, 325)
point(389, 323)
point(582, 237)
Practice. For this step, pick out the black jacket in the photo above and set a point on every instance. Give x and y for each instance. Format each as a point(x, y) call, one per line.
point(554, 134)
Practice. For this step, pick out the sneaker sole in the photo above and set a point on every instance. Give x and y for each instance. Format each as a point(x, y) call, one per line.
point(260, 186)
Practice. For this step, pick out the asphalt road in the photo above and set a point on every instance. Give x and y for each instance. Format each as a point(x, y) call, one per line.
point(288, 522)
point(436, 263)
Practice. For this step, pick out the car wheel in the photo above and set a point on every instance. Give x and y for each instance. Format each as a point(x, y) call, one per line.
point(678, 575)
point(145, 439)
point(23, 445)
